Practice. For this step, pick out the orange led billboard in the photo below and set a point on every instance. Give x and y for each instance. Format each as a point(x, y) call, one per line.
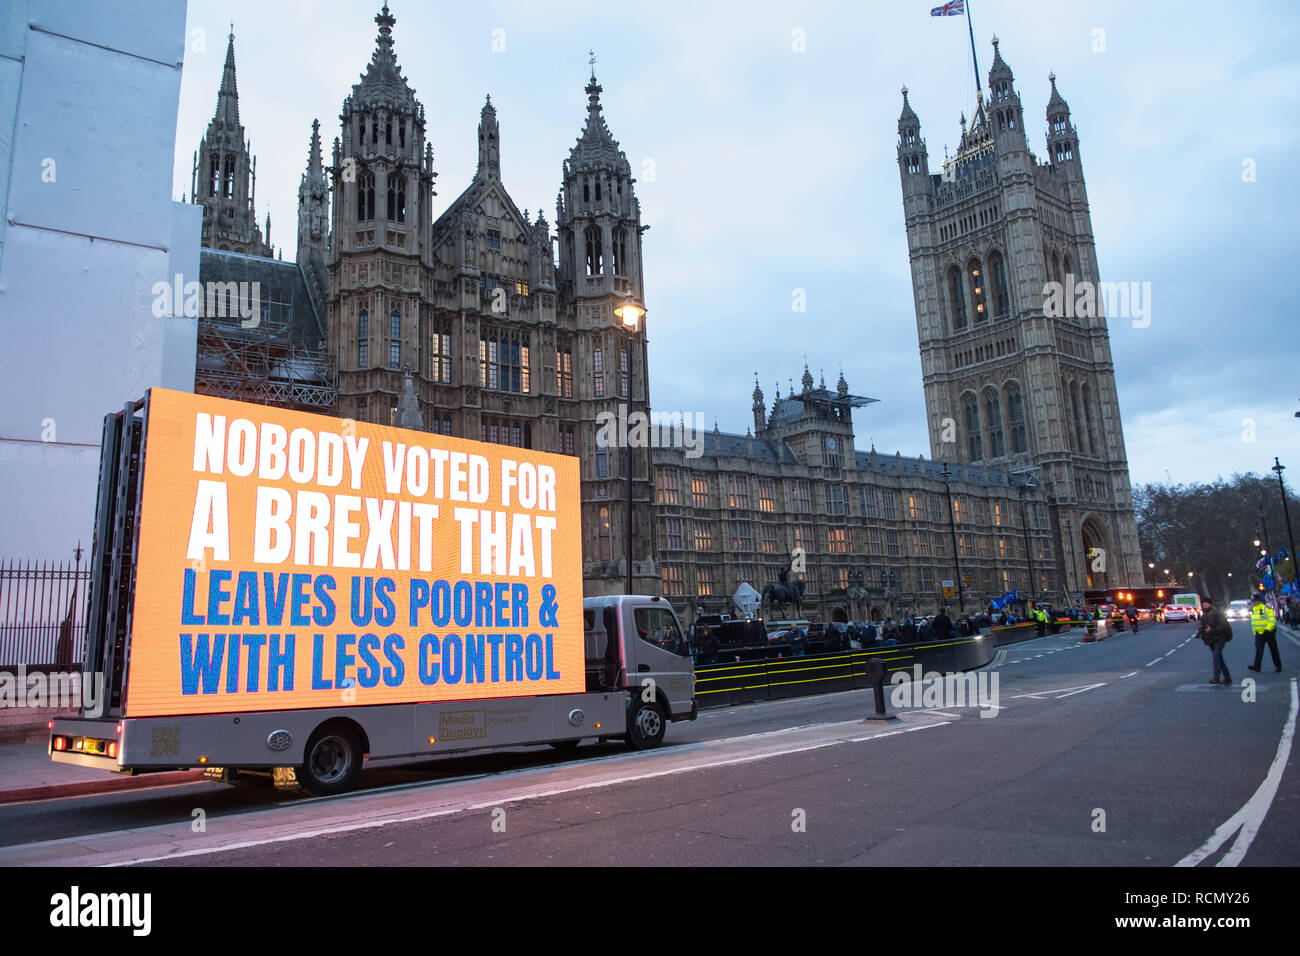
point(290, 560)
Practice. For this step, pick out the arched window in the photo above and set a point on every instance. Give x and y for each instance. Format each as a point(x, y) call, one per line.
point(595, 255)
point(366, 197)
point(395, 339)
point(1016, 419)
point(1078, 418)
point(363, 339)
point(974, 446)
point(597, 190)
point(214, 175)
point(998, 276)
point(978, 289)
point(1086, 398)
point(228, 188)
point(993, 414)
point(620, 251)
point(1056, 267)
point(586, 191)
point(388, 133)
point(396, 199)
point(957, 295)
point(374, 131)
point(1067, 265)
point(598, 371)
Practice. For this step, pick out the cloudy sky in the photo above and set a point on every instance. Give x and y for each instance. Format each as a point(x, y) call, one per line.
point(763, 139)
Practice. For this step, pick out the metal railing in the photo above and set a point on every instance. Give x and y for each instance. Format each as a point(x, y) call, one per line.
point(43, 612)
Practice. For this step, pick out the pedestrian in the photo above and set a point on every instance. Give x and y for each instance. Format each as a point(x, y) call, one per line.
point(1215, 631)
point(942, 625)
point(1263, 622)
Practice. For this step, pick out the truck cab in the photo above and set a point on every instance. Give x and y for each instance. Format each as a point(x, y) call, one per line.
point(635, 643)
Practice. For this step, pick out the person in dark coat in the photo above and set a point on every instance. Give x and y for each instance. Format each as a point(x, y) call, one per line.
point(942, 625)
point(1216, 632)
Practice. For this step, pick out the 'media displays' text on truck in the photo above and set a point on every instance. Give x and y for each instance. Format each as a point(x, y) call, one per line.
point(279, 593)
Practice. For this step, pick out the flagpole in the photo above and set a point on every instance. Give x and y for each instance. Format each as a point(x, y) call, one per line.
point(974, 58)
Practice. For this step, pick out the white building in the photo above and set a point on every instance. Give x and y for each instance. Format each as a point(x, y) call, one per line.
point(88, 102)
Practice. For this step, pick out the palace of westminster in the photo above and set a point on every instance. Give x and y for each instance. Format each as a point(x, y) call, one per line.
point(486, 323)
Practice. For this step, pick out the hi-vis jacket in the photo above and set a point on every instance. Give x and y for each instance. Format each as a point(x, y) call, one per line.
point(1262, 618)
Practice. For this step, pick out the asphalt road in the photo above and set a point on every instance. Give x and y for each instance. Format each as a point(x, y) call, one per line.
point(1113, 753)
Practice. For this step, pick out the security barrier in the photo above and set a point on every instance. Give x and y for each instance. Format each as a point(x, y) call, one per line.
point(723, 684)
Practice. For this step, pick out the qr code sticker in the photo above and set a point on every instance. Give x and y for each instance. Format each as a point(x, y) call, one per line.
point(166, 742)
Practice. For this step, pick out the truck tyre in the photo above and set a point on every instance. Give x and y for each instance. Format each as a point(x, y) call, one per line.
point(332, 762)
point(646, 724)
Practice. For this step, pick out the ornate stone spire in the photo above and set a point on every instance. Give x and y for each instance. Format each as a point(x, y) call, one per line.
point(489, 143)
point(807, 378)
point(228, 96)
point(842, 386)
point(383, 83)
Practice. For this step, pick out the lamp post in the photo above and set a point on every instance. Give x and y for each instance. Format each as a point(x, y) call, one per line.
point(1286, 513)
point(952, 526)
point(630, 314)
point(1029, 556)
point(1074, 557)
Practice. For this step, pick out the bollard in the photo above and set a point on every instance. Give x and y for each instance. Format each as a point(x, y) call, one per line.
point(876, 674)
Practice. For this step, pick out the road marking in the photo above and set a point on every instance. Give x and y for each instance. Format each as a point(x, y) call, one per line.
point(1063, 691)
point(705, 763)
point(1170, 652)
point(999, 658)
point(1130, 674)
point(1251, 816)
point(1156, 661)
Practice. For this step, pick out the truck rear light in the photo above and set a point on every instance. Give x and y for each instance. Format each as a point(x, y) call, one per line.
point(79, 744)
point(112, 748)
point(50, 725)
point(118, 731)
point(60, 743)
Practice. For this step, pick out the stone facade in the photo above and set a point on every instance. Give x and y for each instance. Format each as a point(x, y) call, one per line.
point(224, 178)
point(500, 344)
point(1006, 382)
point(873, 530)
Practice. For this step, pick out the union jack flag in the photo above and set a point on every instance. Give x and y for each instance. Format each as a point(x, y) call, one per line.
point(953, 8)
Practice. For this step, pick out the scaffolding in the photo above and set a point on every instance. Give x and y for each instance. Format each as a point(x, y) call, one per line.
point(272, 361)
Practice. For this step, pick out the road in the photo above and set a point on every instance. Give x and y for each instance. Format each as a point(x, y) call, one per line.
point(1112, 753)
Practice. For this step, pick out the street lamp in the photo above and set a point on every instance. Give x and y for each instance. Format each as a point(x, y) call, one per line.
point(1286, 513)
point(1033, 589)
point(952, 526)
point(629, 313)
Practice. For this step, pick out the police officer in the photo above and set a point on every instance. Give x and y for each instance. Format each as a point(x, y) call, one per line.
point(1039, 616)
point(1263, 621)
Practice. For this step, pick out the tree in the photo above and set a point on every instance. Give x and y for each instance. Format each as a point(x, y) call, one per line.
point(1209, 529)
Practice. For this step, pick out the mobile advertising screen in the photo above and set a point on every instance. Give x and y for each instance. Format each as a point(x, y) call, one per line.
point(291, 560)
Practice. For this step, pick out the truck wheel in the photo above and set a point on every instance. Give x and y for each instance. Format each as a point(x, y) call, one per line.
point(646, 725)
point(333, 761)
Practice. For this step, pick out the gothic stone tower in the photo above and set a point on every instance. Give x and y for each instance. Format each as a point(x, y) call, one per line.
point(1005, 382)
point(603, 367)
point(378, 253)
point(224, 178)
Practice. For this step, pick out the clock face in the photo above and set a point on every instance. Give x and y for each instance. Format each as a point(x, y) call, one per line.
point(831, 444)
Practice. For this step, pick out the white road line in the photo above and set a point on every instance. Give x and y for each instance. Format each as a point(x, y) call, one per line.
point(1156, 661)
point(1128, 675)
point(1170, 652)
point(1251, 816)
point(1063, 691)
point(705, 764)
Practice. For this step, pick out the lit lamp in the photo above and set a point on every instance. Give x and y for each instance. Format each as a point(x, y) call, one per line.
point(629, 314)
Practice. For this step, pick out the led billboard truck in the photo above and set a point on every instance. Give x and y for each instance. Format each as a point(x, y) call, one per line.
point(278, 595)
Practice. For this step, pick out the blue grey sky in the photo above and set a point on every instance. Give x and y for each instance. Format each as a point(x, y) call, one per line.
point(764, 168)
